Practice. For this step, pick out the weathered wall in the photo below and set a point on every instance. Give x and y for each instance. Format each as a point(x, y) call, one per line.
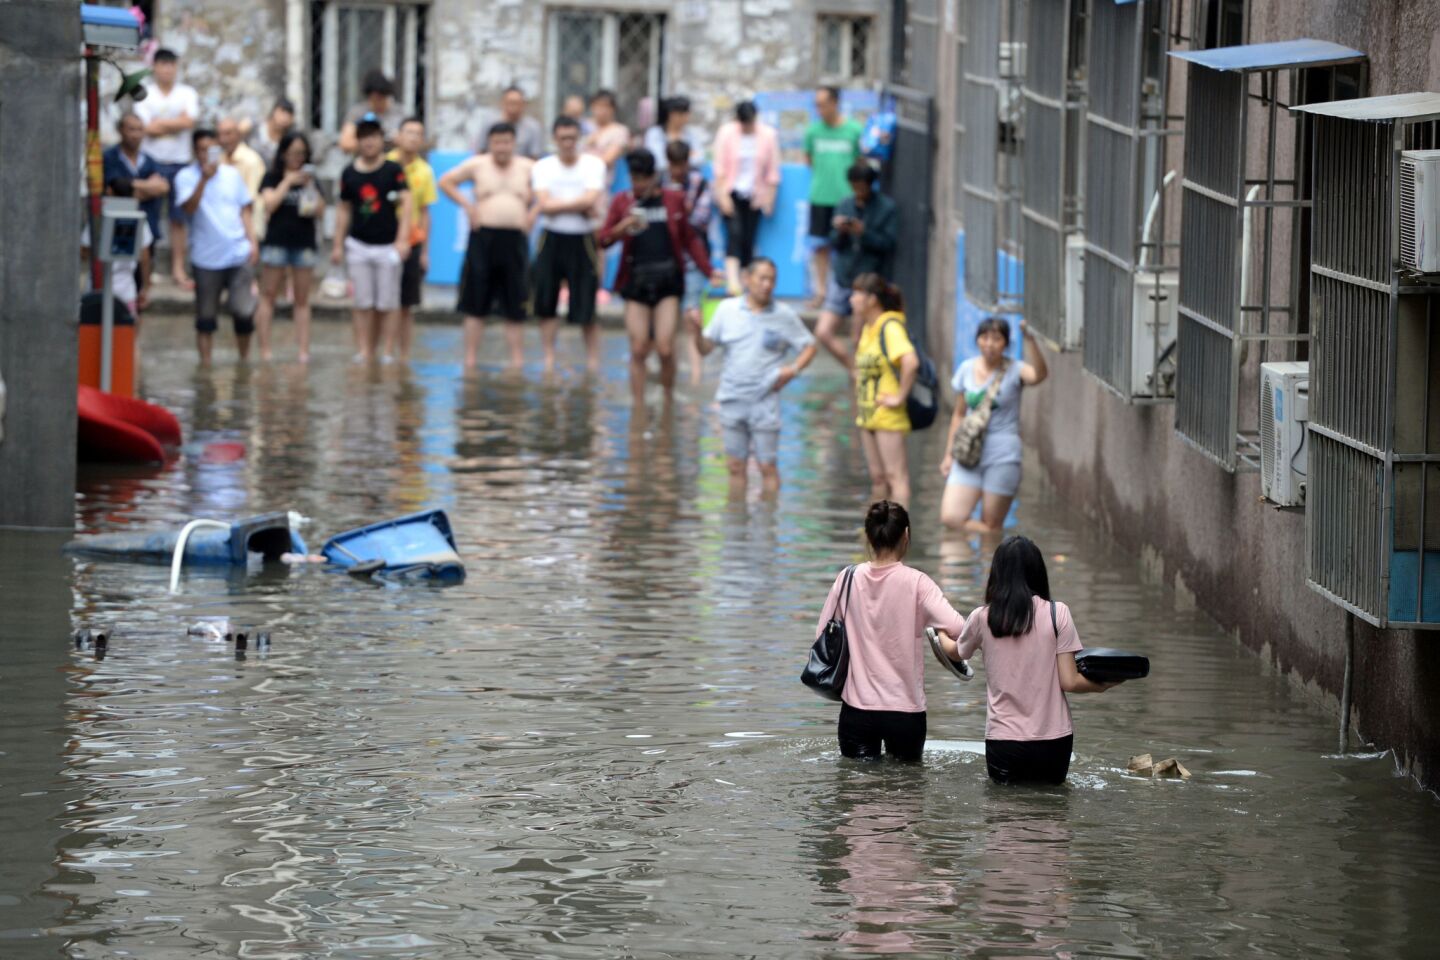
point(716, 52)
point(1206, 531)
point(39, 284)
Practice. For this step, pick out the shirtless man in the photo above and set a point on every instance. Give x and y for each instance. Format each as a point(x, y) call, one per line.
point(497, 258)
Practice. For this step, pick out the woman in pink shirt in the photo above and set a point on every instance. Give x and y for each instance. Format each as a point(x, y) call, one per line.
point(888, 609)
point(1029, 645)
point(747, 178)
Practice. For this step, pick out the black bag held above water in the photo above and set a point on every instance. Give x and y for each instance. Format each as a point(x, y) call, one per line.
point(829, 663)
point(1104, 665)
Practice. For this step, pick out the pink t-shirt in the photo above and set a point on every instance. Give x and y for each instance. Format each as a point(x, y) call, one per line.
point(1022, 679)
point(890, 607)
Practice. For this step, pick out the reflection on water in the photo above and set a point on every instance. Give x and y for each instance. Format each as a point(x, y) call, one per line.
point(597, 745)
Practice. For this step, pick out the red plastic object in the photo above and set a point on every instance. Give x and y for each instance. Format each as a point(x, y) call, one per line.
point(223, 451)
point(123, 429)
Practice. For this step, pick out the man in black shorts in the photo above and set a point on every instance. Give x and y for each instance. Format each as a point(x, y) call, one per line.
point(493, 282)
point(569, 186)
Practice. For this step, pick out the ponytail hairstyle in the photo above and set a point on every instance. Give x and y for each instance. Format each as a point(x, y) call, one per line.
point(885, 526)
point(1017, 577)
point(881, 289)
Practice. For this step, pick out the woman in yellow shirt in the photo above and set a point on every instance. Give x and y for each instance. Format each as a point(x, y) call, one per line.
point(885, 370)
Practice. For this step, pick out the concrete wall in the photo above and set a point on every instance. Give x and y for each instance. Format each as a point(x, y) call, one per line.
point(39, 289)
point(1206, 531)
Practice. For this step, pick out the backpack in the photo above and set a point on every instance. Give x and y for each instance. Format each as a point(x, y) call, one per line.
point(923, 403)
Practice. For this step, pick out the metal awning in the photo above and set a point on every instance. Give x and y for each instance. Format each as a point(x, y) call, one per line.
point(1400, 106)
point(1250, 57)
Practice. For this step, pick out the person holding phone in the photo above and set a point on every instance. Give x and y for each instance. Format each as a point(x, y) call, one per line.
point(1028, 644)
point(294, 206)
point(863, 232)
point(223, 251)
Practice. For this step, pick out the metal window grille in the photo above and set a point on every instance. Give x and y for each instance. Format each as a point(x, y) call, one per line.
point(1124, 166)
point(988, 104)
point(844, 48)
point(1219, 23)
point(1373, 497)
point(348, 40)
point(957, 131)
point(1053, 91)
point(915, 44)
point(1245, 208)
point(594, 49)
point(908, 181)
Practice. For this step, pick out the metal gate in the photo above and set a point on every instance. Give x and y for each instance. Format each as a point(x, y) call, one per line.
point(1053, 92)
point(907, 182)
point(1124, 157)
point(1245, 187)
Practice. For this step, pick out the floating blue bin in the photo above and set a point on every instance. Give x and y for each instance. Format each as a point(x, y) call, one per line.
point(268, 535)
point(420, 544)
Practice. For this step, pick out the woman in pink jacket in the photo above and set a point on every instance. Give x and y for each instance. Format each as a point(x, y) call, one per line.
point(747, 176)
point(890, 606)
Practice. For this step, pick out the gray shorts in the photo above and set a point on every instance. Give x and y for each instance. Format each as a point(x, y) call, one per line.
point(837, 298)
point(375, 270)
point(238, 286)
point(752, 429)
point(1001, 479)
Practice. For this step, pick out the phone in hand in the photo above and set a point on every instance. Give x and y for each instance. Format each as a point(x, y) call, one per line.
point(212, 155)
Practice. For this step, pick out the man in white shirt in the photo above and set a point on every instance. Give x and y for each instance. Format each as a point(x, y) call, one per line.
point(223, 249)
point(568, 186)
point(169, 112)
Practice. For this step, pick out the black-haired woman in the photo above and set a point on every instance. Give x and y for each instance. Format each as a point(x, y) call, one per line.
point(886, 612)
point(654, 229)
point(886, 365)
point(294, 206)
point(994, 378)
point(1028, 645)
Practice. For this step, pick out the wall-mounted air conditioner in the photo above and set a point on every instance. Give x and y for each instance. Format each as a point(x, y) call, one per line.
point(1070, 332)
point(1284, 411)
point(1420, 210)
point(1152, 343)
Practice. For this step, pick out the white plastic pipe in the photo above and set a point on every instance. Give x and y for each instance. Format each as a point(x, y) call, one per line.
point(1150, 218)
point(179, 554)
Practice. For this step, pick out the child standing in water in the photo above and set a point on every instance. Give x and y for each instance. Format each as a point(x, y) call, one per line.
point(1029, 644)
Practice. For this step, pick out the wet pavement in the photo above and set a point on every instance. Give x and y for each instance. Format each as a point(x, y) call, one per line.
point(597, 746)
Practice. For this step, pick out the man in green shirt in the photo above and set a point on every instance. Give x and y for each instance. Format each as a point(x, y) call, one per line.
point(832, 144)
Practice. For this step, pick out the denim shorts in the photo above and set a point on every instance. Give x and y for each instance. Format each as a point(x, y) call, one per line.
point(837, 298)
point(1001, 479)
point(695, 284)
point(301, 258)
point(752, 429)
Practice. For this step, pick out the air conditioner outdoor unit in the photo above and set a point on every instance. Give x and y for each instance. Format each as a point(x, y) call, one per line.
point(1420, 210)
point(1152, 345)
point(1284, 411)
point(1070, 335)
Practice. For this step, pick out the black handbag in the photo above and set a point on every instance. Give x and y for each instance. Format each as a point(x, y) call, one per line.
point(829, 663)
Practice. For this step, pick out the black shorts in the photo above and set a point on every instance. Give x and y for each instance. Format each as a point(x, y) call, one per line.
point(572, 259)
point(820, 218)
point(1029, 761)
point(651, 283)
point(862, 732)
point(493, 282)
point(412, 278)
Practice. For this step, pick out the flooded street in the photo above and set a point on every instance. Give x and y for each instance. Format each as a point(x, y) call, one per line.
point(598, 745)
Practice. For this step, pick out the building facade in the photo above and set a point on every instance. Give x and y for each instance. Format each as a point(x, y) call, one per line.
point(451, 59)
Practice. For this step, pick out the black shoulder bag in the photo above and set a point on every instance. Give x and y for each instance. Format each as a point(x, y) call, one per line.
point(829, 663)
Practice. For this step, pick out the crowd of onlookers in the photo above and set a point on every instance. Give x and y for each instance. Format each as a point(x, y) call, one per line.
point(243, 212)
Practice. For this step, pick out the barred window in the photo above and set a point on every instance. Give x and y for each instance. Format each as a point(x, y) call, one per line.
point(844, 48)
point(349, 38)
point(591, 50)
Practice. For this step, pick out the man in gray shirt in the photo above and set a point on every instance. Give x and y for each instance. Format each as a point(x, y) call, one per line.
point(758, 336)
point(529, 141)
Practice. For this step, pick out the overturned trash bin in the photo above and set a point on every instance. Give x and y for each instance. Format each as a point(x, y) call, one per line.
point(268, 535)
point(418, 545)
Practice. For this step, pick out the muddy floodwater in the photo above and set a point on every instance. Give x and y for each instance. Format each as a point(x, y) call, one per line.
point(597, 746)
